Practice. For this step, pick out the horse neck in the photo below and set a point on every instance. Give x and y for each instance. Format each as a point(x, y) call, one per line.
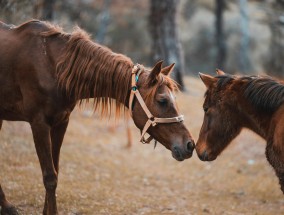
point(253, 119)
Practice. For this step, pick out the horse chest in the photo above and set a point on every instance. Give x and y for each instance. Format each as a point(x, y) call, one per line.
point(10, 103)
point(11, 111)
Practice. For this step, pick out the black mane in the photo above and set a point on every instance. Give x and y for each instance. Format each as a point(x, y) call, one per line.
point(265, 93)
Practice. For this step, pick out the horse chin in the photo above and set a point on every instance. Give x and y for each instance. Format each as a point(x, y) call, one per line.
point(178, 158)
point(207, 157)
point(211, 158)
point(179, 155)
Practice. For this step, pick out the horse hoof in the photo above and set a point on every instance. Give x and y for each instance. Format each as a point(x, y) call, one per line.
point(9, 211)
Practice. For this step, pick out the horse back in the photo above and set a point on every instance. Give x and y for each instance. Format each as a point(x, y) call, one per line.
point(27, 70)
point(6, 26)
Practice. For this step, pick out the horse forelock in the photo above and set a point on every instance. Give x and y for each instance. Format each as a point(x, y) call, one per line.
point(88, 70)
point(222, 82)
point(161, 80)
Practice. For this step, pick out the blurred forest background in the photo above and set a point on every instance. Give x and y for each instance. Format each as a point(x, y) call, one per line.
point(98, 175)
point(237, 36)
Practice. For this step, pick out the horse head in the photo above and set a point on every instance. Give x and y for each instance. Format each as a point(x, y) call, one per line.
point(221, 123)
point(159, 115)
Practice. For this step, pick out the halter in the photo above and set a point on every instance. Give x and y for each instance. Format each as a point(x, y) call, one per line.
point(152, 121)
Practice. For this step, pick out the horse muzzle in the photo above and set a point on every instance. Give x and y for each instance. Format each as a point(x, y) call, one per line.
point(205, 156)
point(183, 152)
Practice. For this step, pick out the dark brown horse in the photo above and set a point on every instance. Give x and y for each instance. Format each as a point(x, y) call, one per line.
point(45, 72)
point(236, 102)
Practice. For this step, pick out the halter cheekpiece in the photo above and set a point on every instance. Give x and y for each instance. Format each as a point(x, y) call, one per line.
point(152, 121)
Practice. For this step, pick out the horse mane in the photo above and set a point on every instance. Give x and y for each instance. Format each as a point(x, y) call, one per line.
point(89, 70)
point(265, 93)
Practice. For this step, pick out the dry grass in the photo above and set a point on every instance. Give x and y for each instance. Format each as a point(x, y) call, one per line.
point(99, 176)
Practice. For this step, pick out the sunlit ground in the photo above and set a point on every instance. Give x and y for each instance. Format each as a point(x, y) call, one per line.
point(98, 175)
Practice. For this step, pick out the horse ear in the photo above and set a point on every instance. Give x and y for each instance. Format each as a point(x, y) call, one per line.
point(155, 72)
point(207, 79)
point(168, 69)
point(220, 72)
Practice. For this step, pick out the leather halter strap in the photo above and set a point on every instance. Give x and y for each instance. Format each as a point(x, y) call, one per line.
point(152, 121)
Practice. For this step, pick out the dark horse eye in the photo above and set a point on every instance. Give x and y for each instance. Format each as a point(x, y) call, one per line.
point(163, 102)
point(205, 109)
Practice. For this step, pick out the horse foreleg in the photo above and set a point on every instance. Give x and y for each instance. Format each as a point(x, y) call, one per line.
point(275, 147)
point(280, 176)
point(41, 135)
point(275, 157)
point(57, 134)
point(129, 134)
point(6, 207)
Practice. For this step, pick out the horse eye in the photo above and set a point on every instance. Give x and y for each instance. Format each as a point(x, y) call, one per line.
point(163, 101)
point(205, 109)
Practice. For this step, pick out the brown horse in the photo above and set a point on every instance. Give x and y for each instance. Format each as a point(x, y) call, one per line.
point(45, 72)
point(232, 103)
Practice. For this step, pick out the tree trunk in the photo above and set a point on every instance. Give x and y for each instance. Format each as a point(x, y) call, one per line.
point(220, 37)
point(275, 66)
point(166, 45)
point(104, 21)
point(47, 9)
point(244, 44)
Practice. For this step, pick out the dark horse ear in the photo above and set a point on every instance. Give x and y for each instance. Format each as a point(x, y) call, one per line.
point(220, 72)
point(168, 69)
point(207, 79)
point(153, 77)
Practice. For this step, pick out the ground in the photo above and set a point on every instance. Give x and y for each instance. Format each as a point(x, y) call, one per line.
point(99, 176)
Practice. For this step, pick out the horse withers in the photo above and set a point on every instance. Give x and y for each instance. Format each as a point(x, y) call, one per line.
point(45, 72)
point(236, 102)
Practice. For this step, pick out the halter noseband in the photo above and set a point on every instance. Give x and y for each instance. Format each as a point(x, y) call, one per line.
point(152, 121)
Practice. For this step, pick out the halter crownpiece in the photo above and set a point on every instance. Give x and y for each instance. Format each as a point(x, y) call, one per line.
point(152, 121)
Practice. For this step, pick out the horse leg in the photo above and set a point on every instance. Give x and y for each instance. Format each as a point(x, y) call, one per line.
point(41, 135)
point(128, 131)
point(129, 134)
point(57, 134)
point(6, 207)
point(276, 158)
point(280, 175)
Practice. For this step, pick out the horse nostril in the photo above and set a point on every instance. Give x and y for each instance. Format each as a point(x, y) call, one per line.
point(204, 156)
point(177, 152)
point(190, 146)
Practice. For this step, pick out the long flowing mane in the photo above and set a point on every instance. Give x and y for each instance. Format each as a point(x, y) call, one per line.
point(87, 69)
point(265, 93)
